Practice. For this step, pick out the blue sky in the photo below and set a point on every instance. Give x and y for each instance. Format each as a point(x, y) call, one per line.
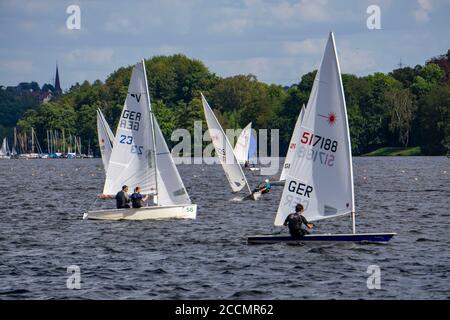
point(278, 41)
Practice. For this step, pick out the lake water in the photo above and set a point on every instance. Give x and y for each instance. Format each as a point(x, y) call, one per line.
point(42, 233)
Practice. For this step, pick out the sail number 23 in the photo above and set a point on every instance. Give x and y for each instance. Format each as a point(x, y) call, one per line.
point(309, 138)
point(129, 140)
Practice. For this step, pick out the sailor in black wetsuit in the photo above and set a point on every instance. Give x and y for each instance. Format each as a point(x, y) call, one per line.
point(297, 223)
point(122, 198)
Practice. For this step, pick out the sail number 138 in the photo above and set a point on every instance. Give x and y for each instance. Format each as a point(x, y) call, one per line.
point(309, 139)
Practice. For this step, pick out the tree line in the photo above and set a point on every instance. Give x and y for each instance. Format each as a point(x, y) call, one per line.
point(409, 106)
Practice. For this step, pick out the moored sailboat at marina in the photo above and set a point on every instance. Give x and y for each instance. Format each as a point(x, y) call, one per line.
point(4, 150)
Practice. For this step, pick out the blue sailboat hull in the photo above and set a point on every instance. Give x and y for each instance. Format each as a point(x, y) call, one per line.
point(358, 237)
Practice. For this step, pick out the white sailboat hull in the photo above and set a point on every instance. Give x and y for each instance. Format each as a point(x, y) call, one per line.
point(253, 196)
point(188, 211)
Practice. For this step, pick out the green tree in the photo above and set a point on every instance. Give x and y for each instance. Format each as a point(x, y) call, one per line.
point(434, 115)
point(402, 109)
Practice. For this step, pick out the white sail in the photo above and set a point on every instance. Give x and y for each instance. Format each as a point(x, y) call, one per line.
point(253, 146)
point(224, 151)
point(321, 175)
point(171, 189)
point(241, 149)
point(295, 141)
point(105, 139)
point(4, 152)
point(133, 160)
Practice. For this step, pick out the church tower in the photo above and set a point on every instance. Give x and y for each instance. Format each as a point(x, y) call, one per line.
point(58, 90)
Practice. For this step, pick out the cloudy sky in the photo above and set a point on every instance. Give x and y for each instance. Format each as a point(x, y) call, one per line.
point(278, 41)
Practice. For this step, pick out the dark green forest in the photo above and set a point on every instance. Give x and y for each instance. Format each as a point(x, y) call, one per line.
point(407, 107)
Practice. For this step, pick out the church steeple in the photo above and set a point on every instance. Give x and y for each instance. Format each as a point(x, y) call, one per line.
point(58, 90)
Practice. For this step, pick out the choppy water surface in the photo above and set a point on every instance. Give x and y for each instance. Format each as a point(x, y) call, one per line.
point(42, 233)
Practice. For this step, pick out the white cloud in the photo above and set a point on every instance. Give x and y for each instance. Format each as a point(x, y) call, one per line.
point(89, 55)
point(147, 17)
point(269, 70)
point(308, 46)
point(255, 13)
point(234, 25)
point(62, 30)
point(314, 10)
point(30, 7)
point(305, 10)
point(355, 61)
point(422, 14)
point(17, 66)
point(117, 23)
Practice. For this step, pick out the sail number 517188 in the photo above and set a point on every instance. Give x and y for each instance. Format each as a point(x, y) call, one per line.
point(326, 144)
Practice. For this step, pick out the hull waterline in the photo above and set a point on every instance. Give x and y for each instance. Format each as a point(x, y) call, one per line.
point(188, 211)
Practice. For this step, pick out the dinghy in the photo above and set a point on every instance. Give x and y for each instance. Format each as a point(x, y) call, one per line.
point(140, 157)
point(105, 139)
point(225, 153)
point(291, 150)
point(320, 176)
point(4, 150)
point(245, 148)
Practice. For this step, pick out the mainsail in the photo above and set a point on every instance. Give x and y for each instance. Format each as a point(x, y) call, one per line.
point(105, 139)
point(133, 160)
point(224, 151)
point(293, 144)
point(321, 174)
point(241, 149)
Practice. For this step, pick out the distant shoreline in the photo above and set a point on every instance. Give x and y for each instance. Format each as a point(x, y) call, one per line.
point(395, 152)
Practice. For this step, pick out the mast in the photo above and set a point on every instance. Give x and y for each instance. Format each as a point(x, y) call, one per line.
point(32, 140)
point(79, 146)
point(64, 141)
point(15, 139)
point(153, 128)
point(39, 149)
point(52, 147)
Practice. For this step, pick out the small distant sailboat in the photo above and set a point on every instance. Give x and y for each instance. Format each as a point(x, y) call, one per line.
point(245, 148)
point(291, 150)
point(320, 176)
point(140, 157)
point(4, 150)
point(105, 139)
point(225, 153)
point(14, 153)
